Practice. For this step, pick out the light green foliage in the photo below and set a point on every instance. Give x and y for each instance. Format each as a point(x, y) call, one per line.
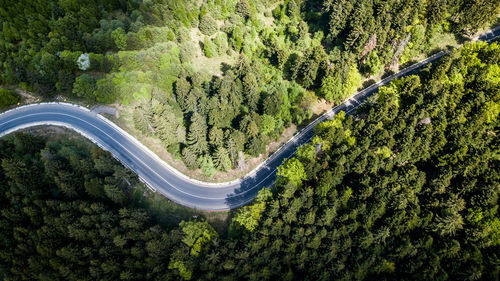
point(493, 75)
point(197, 235)
point(209, 48)
point(8, 98)
point(207, 165)
point(390, 93)
point(248, 217)
point(220, 41)
point(197, 136)
point(221, 159)
point(188, 51)
point(490, 111)
point(352, 81)
point(331, 88)
point(335, 89)
point(292, 170)
point(184, 272)
point(119, 38)
point(306, 153)
point(489, 227)
point(268, 124)
point(416, 45)
point(384, 152)
point(373, 63)
point(237, 38)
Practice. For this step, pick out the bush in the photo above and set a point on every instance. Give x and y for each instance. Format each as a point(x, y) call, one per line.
point(243, 8)
point(220, 41)
point(84, 87)
point(8, 98)
point(209, 48)
point(207, 25)
point(188, 51)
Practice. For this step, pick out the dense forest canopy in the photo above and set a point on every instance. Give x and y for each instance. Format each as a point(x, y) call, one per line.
point(407, 189)
point(212, 79)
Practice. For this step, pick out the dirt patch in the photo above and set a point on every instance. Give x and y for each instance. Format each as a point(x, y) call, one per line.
point(321, 106)
point(27, 97)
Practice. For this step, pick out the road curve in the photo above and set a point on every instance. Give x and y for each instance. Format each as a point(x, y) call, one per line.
point(161, 177)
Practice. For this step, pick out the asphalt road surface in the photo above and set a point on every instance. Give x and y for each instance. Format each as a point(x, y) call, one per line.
point(160, 176)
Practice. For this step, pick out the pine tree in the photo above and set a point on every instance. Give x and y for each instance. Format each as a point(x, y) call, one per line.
point(221, 159)
point(197, 136)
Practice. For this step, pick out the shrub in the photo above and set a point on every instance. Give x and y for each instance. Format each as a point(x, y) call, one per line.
point(207, 25)
point(84, 87)
point(188, 51)
point(209, 48)
point(243, 8)
point(8, 98)
point(220, 41)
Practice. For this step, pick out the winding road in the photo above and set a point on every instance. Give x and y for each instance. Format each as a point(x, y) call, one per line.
point(163, 178)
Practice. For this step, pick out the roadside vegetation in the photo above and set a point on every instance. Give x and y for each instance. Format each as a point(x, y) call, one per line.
point(8, 98)
point(407, 189)
point(217, 81)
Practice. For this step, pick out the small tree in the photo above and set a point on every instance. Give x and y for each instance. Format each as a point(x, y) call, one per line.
point(268, 124)
point(208, 25)
point(207, 165)
point(243, 8)
point(197, 235)
point(120, 38)
point(209, 48)
point(293, 170)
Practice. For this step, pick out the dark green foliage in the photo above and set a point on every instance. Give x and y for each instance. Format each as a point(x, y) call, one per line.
point(63, 216)
point(84, 87)
point(407, 190)
point(8, 98)
point(243, 8)
point(257, 60)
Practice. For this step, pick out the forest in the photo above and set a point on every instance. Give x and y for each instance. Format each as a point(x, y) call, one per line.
point(216, 81)
point(406, 189)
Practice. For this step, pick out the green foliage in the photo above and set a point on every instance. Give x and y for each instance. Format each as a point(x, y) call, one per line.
point(85, 86)
point(197, 235)
point(248, 217)
point(404, 153)
point(221, 159)
point(59, 211)
point(220, 41)
point(373, 63)
point(331, 88)
point(207, 165)
point(208, 25)
point(184, 272)
point(119, 38)
point(293, 171)
point(268, 124)
point(197, 136)
point(209, 48)
point(243, 8)
point(8, 98)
